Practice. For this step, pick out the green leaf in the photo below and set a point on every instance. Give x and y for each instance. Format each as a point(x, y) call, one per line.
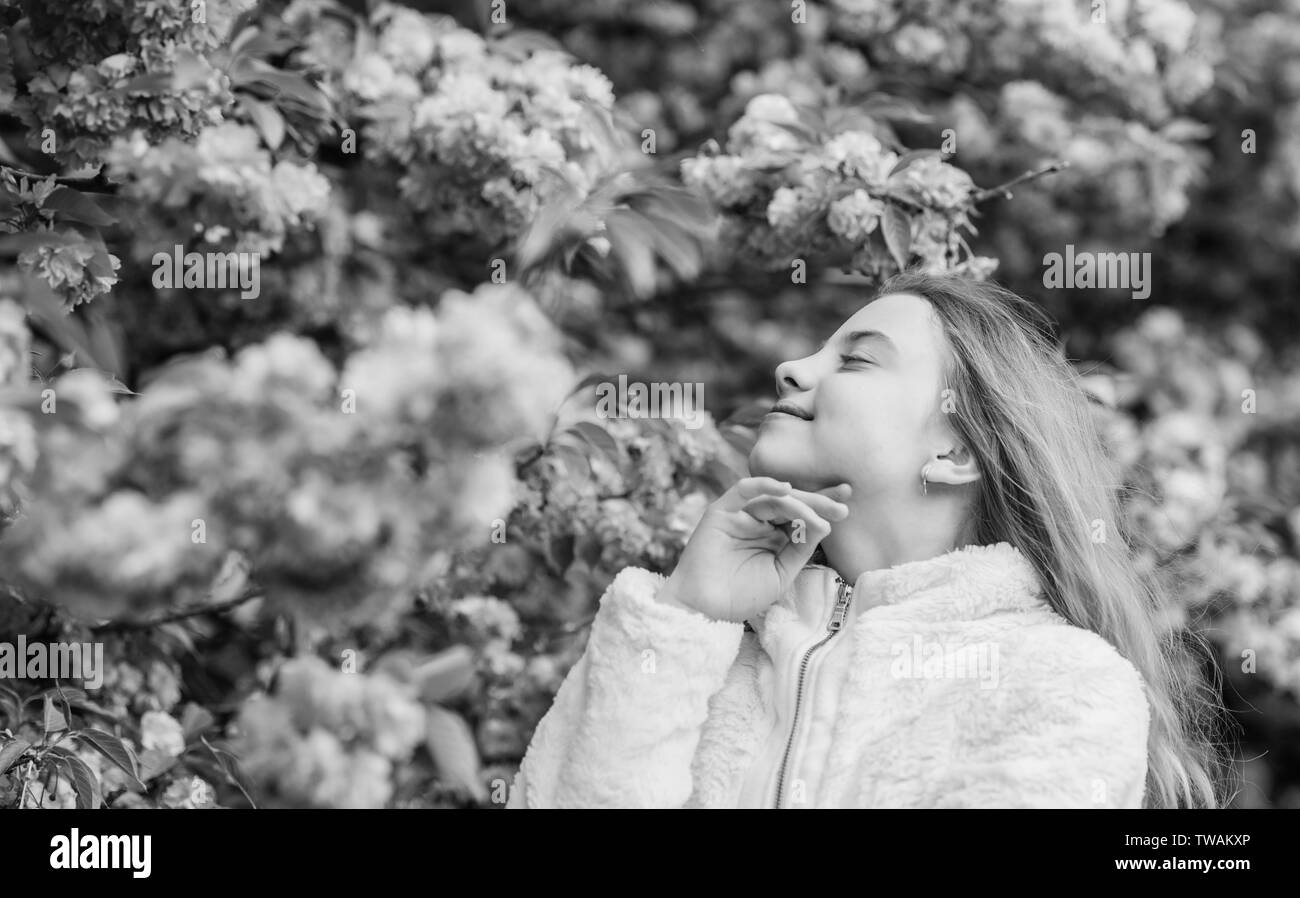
point(68, 694)
point(897, 228)
point(445, 675)
point(909, 158)
point(11, 752)
point(267, 119)
point(453, 750)
point(574, 461)
point(53, 717)
point(74, 205)
point(82, 777)
point(190, 72)
point(195, 719)
point(600, 440)
point(12, 705)
point(230, 767)
point(589, 381)
point(112, 748)
point(154, 763)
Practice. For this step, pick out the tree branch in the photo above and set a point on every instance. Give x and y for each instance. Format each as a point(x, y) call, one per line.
point(247, 595)
point(96, 184)
point(1004, 190)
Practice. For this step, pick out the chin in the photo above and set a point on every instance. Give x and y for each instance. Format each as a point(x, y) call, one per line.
point(765, 460)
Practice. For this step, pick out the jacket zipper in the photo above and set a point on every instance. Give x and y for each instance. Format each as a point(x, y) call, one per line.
point(833, 626)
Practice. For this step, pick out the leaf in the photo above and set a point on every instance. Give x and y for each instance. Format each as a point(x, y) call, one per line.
point(452, 746)
point(589, 381)
point(76, 206)
point(54, 721)
point(890, 108)
point(631, 241)
point(195, 719)
point(154, 763)
point(69, 694)
point(149, 83)
point(12, 704)
point(112, 748)
point(445, 675)
point(191, 70)
point(518, 45)
point(82, 777)
point(230, 767)
point(560, 552)
point(909, 158)
point(16, 244)
point(897, 228)
point(267, 119)
point(574, 461)
point(600, 440)
point(11, 752)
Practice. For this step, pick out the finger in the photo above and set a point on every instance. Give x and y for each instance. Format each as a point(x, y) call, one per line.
point(794, 555)
point(749, 487)
point(841, 492)
point(829, 508)
point(781, 510)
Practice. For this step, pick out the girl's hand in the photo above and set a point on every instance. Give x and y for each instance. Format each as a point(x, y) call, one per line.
point(749, 546)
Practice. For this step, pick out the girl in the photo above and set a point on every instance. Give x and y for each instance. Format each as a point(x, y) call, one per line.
point(975, 634)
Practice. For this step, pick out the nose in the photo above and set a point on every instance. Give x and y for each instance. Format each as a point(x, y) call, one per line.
point(792, 377)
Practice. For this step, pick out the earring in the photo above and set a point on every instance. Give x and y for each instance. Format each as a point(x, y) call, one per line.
point(925, 475)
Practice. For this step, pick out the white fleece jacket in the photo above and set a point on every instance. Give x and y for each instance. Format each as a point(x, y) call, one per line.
point(952, 683)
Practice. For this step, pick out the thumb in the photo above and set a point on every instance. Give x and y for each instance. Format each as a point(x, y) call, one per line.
point(805, 536)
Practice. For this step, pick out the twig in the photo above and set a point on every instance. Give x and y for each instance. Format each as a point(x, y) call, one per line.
point(248, 595)
point(225, 771)
point(1004, 190)
point(97, 181)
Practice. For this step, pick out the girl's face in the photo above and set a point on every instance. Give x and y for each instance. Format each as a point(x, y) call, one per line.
point(864, 408)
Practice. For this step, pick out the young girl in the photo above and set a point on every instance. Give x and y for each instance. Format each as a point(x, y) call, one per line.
point(977, 635)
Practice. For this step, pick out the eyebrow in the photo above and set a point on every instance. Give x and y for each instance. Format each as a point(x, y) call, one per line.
point(855, 336)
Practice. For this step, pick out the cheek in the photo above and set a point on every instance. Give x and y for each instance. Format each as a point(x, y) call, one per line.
point(870, 427)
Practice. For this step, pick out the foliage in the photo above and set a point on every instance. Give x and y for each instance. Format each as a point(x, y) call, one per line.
point(342, 540)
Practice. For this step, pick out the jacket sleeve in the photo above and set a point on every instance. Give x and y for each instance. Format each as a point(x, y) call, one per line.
point(627, 718)
point(1071, 731)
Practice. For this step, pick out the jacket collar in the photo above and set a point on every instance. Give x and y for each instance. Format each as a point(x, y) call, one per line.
point(964, 584)
point(979, 580)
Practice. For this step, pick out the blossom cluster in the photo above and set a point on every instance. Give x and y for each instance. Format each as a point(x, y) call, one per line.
point(482, 134)
point(223, 190)
point(339, 488)
point(94, 69)
point(787, 192)
point(327, 738)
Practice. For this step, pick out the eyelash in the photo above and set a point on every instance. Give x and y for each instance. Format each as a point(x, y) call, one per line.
point(853, 358)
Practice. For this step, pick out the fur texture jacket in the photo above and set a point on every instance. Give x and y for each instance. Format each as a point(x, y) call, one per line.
point(947, 682)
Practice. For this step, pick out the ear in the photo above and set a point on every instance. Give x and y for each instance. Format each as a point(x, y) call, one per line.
point(955, 467)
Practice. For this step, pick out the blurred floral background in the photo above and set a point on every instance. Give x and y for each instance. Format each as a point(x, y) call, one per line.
point(342, 541)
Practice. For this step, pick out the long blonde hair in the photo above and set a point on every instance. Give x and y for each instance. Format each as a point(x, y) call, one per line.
point(1048, 486)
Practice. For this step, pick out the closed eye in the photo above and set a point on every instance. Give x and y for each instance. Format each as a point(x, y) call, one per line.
point(852, 359)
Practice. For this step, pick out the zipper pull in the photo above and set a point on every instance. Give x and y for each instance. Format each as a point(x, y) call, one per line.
point(841, 607)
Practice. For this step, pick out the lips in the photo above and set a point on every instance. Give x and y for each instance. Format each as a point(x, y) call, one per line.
point(789, 408)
